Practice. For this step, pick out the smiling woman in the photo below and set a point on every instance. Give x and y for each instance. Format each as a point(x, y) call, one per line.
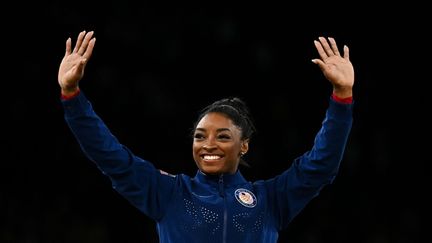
point(218, 204)
point(222, 135)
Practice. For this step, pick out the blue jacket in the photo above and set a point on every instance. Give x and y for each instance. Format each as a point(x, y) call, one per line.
point(203, 208)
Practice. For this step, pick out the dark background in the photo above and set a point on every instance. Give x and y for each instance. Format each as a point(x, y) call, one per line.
point(151, 71)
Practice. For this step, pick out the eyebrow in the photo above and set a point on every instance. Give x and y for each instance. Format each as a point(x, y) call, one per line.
point(218, 130)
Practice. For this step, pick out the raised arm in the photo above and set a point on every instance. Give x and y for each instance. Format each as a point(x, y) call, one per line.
point(336, 68)
point(72, 66)
point(310, 172)
point(134, 178)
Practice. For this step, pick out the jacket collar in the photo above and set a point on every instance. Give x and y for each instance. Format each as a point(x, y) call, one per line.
point(227, 179)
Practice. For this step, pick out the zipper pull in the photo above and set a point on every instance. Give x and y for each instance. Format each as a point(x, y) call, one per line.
point(221, 186)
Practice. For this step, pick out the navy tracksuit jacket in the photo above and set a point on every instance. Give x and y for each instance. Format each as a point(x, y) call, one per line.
point(208, 209)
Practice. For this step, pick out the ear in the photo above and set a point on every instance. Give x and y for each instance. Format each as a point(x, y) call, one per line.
point(244, 147)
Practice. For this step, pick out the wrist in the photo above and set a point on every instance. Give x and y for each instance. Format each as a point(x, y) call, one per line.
point(69, 93)
point(343, 93)
point(345, 100)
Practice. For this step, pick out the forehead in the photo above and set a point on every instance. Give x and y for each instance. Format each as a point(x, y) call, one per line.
point(216, 120)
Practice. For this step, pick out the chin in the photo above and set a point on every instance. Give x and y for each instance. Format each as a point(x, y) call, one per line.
point(211, 171)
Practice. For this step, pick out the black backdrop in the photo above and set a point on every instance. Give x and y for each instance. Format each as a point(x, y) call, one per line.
point(153, 68)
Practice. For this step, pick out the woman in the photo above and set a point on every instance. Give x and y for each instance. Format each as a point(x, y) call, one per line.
point(218, 204)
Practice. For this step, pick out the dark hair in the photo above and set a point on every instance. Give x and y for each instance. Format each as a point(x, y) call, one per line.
point(236, 110)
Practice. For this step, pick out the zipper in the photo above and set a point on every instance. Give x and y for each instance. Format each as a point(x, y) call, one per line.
point(225, 220)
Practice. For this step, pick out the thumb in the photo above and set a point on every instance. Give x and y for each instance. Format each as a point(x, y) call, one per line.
point(81, 65)
point(320, 64)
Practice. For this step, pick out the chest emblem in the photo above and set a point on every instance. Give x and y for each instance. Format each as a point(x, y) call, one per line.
point(245, 197)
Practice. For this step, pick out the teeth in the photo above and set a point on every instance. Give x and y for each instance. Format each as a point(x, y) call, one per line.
point(211, 157)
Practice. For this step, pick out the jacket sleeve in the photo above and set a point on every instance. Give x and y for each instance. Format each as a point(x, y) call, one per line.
point(309, 173)
point(134, 178)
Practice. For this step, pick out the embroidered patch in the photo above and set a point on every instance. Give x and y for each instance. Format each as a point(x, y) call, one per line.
point(245, 197)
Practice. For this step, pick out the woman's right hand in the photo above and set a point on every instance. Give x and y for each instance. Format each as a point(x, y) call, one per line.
point(72, 66)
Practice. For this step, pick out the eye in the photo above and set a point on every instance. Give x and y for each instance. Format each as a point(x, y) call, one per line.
point(224, 137)
point(198, 136)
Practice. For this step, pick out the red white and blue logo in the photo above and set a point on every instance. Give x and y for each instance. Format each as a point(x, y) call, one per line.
point(245, 197)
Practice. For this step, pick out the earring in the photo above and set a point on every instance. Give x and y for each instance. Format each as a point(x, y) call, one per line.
point(242, 153)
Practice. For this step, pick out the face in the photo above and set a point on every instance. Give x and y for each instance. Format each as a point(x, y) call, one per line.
point(217, 144)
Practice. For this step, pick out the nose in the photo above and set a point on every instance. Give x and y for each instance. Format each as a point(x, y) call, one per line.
point(209, 145)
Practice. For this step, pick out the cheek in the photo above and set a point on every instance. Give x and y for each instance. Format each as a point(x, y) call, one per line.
point(195, 148)
point(230, 149)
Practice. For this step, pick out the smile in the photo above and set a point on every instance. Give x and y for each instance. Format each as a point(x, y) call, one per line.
point(211, 157)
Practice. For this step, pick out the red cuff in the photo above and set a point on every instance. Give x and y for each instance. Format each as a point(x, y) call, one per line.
point(68, 97)
point(347, 100)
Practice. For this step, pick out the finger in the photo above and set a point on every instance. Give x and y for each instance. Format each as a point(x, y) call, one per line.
point(87, 54)
point(346, 52)
point(326, 46)
point(68, 47)
point(320, 64)
point(85, 42)
point(334, 46)
point(79, 41)
point(320, 50)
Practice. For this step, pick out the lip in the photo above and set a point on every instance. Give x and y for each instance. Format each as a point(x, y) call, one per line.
point(211, 158)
